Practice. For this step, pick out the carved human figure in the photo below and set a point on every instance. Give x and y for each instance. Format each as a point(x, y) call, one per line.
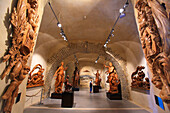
point(76, 77)
point(67, 84)
point(98, 80)
point(113, 83)
point(60, 78)
point(111, 71)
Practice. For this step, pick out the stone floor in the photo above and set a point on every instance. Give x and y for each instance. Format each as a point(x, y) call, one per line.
point(87, 102)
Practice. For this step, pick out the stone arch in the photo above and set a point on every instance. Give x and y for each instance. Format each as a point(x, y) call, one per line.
point(86, 47)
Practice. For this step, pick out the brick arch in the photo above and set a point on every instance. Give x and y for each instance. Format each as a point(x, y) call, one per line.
point(86, 47)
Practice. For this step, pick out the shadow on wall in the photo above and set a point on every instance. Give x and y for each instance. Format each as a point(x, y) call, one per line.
point(7, 24)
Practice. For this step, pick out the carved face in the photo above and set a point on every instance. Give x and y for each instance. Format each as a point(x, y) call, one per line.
point(110, 64)
point(62, 63)
point(34, 3)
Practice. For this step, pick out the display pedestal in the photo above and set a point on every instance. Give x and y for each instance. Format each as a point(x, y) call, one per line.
point(67, 99)
point(116, 96)
point(95, 89)
point(56, 95)
point(75, 89)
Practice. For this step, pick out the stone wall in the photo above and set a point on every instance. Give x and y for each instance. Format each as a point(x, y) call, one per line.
point(86, 47)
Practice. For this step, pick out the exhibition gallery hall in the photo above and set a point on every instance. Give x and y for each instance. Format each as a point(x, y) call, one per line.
point(85, 56)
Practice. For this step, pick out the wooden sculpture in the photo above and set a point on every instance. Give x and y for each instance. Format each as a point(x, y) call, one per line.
point(24, 20)
point(36, 79)
point(113, 83)
point(68, 86)
point(76, 77)
point(112, 79)
point(111, 71)
point(138, 81)
point(60, 78)
point(98, 80)
point(155, 37)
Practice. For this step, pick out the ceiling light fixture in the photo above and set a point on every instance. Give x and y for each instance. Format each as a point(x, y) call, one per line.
point(58, 24)
point(121, 15)
point(97, 59)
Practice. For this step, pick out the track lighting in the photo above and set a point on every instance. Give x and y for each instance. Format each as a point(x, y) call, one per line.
point(76, 59)
point(97, 59)
point(61, 33)
point(105, 45)
point(58, 24)
point(112, 31)
point(108, 39)
point(121, 10)
point(121, 15)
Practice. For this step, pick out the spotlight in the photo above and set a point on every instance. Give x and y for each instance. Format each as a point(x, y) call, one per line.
point(65, 38)
point(105, 45)
point(108, 39)
point(122, 15)
point(59, 25)
point(96, 61)
point(61, 33)
point(106, 42)
point(113, 35)
point(121, 10)
point(125, 6)
point(112, 30)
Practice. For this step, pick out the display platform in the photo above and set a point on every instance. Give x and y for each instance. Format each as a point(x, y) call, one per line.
point(95, 89)
point(116, 96)
point(67, 99)
point(75, 89)
point(56, 95)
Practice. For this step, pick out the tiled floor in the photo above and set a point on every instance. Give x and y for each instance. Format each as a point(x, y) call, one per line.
point(85, 102)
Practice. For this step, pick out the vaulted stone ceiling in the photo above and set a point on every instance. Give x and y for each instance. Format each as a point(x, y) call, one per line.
point(88, 20)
